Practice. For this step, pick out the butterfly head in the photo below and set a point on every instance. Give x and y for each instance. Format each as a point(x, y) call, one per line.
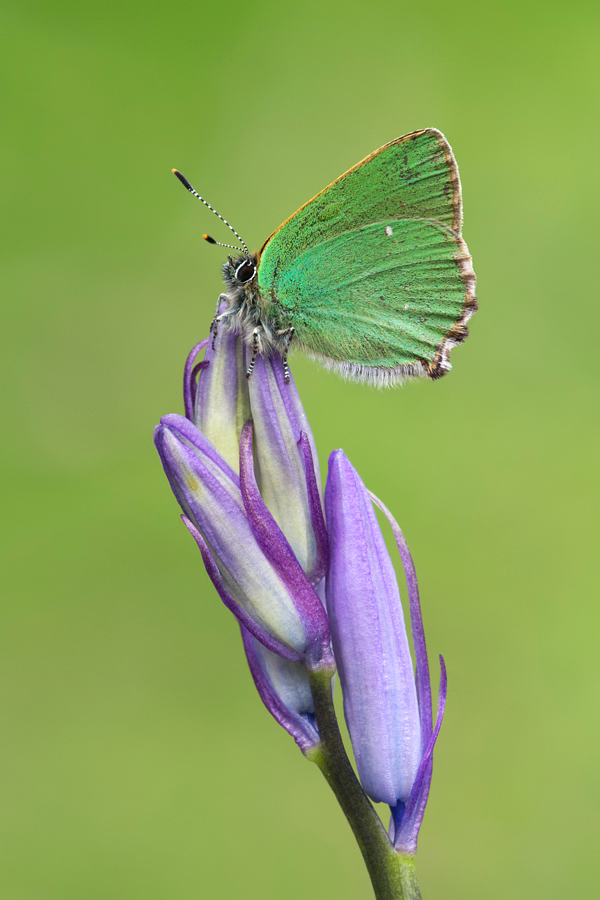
point(240, 271)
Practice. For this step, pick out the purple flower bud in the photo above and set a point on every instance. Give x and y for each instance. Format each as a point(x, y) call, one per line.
point(209, 494)
point(369, 640)
point(245, 553)
point(407, 818)
point(389, 728)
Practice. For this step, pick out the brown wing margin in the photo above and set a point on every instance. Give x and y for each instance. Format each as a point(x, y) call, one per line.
point(459, 331)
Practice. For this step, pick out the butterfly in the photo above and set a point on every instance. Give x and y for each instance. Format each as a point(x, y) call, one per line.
point(371, 277)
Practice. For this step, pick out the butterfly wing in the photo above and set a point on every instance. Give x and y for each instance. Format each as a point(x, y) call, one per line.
point(373, 273)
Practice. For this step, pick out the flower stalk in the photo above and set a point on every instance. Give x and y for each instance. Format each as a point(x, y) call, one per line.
point(392, 874)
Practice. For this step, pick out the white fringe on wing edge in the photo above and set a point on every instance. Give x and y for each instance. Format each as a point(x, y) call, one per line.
point(377, 376)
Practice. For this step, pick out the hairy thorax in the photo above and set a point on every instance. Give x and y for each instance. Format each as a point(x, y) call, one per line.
point(248, 312)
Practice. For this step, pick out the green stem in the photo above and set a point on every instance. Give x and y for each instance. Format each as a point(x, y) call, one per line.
point(392, 874)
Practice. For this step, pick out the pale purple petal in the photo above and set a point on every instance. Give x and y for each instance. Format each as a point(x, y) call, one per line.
point(279, 421)
point(416, 620)
point(369, 640)
point(315, 508)
point(195, 439)
point(222, 404)
point(236, 608)
point(296, 413)
point(284, 689)
point(277, 550)
point(203, 364)
point(407, 833)
point(189, 378)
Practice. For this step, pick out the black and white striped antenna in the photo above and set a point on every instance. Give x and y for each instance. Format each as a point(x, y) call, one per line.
point(207, 237)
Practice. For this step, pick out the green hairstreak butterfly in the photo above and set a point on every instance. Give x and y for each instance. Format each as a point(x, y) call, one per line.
point(371, 277)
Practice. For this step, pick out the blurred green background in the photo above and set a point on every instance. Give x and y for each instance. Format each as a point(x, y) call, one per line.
point(136, 758)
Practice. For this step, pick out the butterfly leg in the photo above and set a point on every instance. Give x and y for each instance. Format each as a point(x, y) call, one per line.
point(289, 336)
point(255, 349)
point(217, 318)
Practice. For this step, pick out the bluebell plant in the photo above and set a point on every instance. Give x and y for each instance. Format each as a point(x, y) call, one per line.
point(312, 584)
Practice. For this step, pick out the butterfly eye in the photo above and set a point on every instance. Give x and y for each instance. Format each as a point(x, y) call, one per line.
point(245, 271)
